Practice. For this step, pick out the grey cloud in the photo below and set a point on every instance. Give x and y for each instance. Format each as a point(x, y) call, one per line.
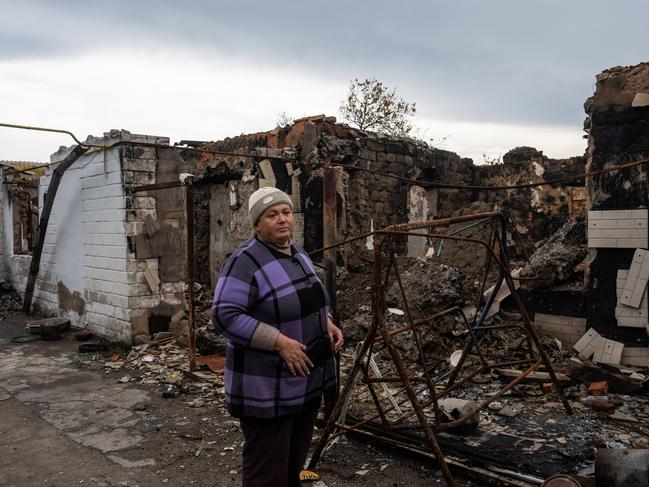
point(509, 61)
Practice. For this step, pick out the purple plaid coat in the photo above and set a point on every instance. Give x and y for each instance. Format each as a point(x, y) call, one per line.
point(259, 284)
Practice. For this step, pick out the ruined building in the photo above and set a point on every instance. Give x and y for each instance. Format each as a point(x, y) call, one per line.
point(114, 261)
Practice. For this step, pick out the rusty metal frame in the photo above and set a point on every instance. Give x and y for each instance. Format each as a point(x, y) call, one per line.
point(380, 334)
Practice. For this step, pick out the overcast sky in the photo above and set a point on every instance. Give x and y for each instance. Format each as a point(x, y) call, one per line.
point(487, 75)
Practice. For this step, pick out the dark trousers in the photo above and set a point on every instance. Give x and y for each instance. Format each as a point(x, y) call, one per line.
point(275, 449)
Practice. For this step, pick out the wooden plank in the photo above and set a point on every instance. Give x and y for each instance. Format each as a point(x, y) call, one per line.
point(537, 377)
point(151, 276)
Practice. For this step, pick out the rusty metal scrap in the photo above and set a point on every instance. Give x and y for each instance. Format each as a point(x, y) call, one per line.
point(423, 389)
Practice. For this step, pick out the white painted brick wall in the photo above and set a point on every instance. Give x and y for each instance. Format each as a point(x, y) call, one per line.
point(112, 281)
point(103, 204)
point(112, 251)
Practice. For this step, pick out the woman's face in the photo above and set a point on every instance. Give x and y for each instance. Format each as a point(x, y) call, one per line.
point(276, 224)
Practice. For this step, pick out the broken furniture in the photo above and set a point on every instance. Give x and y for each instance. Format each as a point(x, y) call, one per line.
point(420, 391)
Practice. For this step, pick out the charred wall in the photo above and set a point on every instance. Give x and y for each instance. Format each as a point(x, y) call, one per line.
point(369, 196)
point(617, 124)
point(540, 211)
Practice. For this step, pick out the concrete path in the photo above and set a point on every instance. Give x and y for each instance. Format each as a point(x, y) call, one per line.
point(52, 412)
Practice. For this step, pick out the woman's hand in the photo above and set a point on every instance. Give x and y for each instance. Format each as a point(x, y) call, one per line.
point(335, 334)
point(292, 352)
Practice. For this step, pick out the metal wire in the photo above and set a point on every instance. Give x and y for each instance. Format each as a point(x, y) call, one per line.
point(424, 184)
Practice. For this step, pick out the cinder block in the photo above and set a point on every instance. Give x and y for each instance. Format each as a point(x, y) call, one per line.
point(107, 275)
point(568, 329)
point(106, 298)
point(609, 353)
point(618, 228)
point(96, 228)
point(114, 264)
point(635, 224)
point(107, 239)
point(112, 215)
point(627, 315)
point(631, 243)
point(602, 242)
point(109, 310)
point(632, 322)
point(619, 233)
point(588, 344)
point(602, 224)
point(636, 281)
point(113, 251)
point(104, 204)
point(107, 191)
point(636, 356)
point(101, 180)
point(622, 311)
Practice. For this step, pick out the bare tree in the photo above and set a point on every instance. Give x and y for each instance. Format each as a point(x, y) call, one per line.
point(284, 119)
point(370, 105)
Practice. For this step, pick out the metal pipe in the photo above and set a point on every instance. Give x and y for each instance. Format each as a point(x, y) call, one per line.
point(425, 184)
point(44, 129)
point(428, 184)
point(329, 223)
point(156, 186)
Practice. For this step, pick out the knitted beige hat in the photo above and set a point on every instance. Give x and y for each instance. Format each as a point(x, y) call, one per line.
point(264, 198)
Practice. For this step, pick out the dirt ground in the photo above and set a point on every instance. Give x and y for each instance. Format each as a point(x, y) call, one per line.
point(69, 419)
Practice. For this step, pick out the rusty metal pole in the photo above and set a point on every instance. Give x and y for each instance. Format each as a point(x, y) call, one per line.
point(189, 215)
point(378, 311)
point(329, 223)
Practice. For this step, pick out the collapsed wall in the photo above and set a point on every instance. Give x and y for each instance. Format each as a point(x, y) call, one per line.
point(537, 211)
point(370, 193)
point(18, 210)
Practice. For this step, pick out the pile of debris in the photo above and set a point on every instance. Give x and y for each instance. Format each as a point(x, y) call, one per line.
point(161, 364)
point(555, 260)
point(10, 301)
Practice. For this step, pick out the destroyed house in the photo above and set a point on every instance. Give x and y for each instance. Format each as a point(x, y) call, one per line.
point(113, 259)
point(94, 268)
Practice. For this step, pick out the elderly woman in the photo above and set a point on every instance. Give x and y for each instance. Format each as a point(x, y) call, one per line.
point(273, 309)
